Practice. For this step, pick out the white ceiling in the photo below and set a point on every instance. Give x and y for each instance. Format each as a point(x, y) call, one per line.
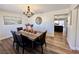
point(36, 8)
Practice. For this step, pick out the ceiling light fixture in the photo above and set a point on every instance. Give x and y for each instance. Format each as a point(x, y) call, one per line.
point(28, 13)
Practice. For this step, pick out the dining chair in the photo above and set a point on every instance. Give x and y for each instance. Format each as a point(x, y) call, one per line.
point(14, 37)
point(23, 42)
point(40, 41)
point(19, 28)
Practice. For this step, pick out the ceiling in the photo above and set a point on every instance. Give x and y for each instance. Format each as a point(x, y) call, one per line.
point(36, 8)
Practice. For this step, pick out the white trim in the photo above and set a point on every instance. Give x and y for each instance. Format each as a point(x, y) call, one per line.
point(4, 37)
point(73, 6)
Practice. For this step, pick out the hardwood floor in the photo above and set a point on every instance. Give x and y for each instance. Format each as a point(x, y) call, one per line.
point(6, 47)
point(56, 45)
point(60, 40)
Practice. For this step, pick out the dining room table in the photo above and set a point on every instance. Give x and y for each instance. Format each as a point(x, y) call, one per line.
point(31, 36)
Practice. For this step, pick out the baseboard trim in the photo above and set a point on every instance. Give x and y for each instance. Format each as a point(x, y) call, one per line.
point(5, 37)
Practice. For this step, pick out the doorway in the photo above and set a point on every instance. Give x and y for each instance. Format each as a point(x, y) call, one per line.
point(60, 32)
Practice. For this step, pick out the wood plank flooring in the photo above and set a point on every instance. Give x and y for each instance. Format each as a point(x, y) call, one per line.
point(60, 40)
point(56, 45)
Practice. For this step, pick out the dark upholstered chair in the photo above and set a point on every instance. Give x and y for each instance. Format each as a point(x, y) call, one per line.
point(40, 41)
point(14, 37)
point(23, 42)
point(19, 28)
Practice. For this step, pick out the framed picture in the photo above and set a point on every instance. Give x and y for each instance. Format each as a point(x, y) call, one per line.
point(10, 20)
point(38, 20)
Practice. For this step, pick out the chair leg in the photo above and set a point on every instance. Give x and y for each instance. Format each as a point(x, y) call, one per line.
point(42, 49)
point(17, 48)
point(23, 50)
point(13, 43)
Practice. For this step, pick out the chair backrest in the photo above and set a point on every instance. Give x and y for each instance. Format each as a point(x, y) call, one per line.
point(19, 38)
point(43, 37)
point(14, 35)
point(19, 28)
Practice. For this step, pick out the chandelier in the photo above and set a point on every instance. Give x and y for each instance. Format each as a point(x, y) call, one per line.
point(28, 13)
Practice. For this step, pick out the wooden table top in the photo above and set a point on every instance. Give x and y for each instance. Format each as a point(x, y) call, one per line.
point(30, 35)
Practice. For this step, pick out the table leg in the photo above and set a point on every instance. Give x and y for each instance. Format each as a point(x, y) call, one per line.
point(32, 44)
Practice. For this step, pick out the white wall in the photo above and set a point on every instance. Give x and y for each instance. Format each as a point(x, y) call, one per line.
point(5, 29)
point(77, 30)
point(73, 29)
point(47, 23)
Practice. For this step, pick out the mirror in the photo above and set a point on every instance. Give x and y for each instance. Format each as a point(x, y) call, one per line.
point(38, 20)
